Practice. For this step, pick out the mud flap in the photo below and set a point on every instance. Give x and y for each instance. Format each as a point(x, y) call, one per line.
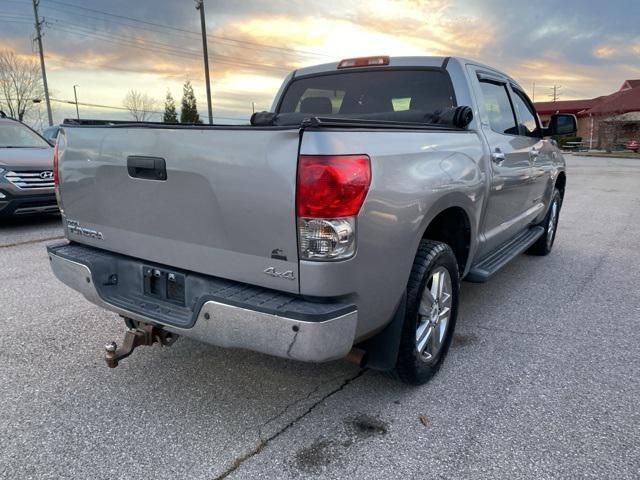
point(382, 349)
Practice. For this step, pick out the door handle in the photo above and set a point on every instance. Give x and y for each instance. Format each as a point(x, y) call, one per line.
point(147, 168)
point(497, 157)
point(533, 154)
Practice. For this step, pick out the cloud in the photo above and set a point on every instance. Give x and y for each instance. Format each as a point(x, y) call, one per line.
point(589, 47)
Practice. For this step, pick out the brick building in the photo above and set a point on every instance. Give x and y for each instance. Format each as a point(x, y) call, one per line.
point(603, 122)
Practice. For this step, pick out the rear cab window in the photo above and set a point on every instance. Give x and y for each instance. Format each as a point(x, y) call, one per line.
point(370, 93)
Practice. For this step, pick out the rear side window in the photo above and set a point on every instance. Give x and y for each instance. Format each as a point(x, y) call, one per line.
point(370, 92)
point(528, 124)
point(498, 106)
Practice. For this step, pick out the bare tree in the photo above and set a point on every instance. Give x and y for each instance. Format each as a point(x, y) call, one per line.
point(20, 84)
point(140, 105)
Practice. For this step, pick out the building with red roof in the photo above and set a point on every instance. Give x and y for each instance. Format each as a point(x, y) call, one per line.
point(603, 122)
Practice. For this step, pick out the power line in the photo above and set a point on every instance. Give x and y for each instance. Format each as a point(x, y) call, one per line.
point(188, 34)
point(112, 107)
point(11, 15)
point(17, 21)
point(153, 46)
point(182, 30)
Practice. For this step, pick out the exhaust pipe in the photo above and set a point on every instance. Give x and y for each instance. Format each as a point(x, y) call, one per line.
point(357, 356)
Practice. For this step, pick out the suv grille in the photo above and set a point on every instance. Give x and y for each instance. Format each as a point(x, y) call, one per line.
point(32, 179)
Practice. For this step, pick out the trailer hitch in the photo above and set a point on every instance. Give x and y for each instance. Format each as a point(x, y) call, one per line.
point(143, 334)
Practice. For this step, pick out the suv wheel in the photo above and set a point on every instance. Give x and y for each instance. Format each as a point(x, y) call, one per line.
point(432, 307)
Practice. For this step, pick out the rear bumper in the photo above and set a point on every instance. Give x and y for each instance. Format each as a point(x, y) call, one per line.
point(225, 313)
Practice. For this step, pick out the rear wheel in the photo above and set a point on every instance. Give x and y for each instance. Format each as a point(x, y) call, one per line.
point(432, 307)
point(544, 244)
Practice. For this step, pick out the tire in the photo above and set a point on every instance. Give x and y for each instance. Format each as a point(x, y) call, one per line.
point(433, 260)
point(544, 244)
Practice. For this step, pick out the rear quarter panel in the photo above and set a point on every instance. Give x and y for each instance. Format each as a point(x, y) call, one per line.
point(415, 176)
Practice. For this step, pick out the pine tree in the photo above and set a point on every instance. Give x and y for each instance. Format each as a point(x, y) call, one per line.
point(170, 114)
point(189, 112)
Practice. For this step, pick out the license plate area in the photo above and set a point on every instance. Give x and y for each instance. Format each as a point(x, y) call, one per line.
point(163, 284)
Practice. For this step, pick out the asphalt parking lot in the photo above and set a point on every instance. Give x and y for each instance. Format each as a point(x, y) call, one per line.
point(542, 381)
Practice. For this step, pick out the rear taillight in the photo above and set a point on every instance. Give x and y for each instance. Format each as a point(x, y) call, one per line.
point(330, 191)
point(57, 151)
point(331, 186)
point(56, 180)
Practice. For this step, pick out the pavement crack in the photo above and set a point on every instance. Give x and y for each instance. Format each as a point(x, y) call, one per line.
point(294, 403)
point(264, 442)
point(30, 242)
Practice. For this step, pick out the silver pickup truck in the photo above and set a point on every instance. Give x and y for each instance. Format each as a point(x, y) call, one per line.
point(339, 224)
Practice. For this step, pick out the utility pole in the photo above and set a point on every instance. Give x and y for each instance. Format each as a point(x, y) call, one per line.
point(75, 94)
point(44, 72)
point(555, 95)
point(533, 92)
point(200, 6)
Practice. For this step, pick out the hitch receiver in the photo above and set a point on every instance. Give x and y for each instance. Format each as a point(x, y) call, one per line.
point(144, 334)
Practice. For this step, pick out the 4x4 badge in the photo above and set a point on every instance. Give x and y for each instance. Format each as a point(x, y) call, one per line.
point(272, 272)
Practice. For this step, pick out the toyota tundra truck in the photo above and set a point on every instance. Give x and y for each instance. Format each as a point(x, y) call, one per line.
point(337, 225)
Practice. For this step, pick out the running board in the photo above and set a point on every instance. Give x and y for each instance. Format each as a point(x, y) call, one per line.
point(489, 265)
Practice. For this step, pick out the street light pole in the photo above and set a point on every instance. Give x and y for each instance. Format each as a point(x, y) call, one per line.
point(75, 94)
point(200, 6)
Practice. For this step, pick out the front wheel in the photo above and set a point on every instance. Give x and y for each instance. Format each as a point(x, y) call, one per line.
point(432, 308)
point(544, 244)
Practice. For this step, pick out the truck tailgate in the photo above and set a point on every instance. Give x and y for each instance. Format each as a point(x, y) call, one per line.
point(226, 207)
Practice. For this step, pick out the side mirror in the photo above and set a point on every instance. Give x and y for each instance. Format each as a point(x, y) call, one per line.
point(561, 124)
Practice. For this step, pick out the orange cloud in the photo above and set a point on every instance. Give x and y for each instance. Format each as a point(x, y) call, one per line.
point(604, 51)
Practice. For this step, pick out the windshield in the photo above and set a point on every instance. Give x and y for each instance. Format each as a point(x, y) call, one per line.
point(370, 93)
point(16, 135)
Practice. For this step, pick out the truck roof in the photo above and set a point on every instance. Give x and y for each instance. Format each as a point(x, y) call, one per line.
point(417, 61)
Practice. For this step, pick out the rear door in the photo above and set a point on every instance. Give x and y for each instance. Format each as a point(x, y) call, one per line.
point(506, 210)
point(219, 201)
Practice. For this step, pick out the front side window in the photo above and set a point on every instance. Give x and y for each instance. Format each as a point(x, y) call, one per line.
point(528, 126)
point(16, 135)
point(498, 107)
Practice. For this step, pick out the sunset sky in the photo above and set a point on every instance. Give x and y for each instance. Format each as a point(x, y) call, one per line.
point(108, 47)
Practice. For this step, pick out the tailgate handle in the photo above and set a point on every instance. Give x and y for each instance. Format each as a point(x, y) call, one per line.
point(147, 168)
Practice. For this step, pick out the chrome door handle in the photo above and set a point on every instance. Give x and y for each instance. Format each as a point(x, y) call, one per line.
point(533, 154)
point(497, 157)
